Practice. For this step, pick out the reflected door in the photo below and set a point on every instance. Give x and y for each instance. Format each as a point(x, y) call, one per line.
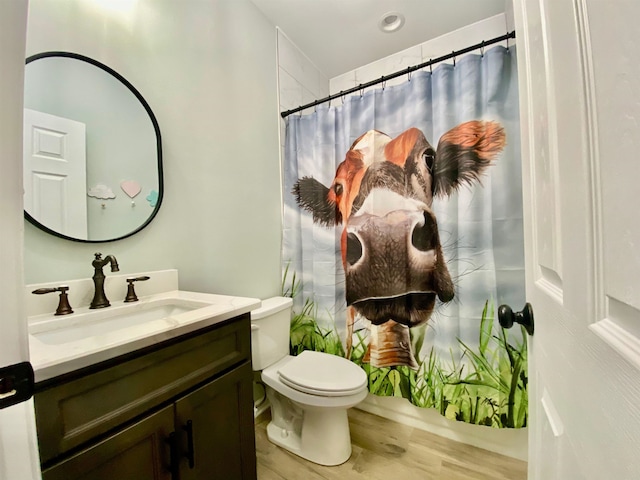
point(55, 177)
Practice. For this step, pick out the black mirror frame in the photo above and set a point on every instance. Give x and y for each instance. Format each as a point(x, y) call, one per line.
point(156, 128)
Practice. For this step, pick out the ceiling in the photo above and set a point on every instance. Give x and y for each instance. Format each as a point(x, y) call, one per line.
point(341, 35)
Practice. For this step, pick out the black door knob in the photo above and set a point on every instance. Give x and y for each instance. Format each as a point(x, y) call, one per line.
point(508, 317)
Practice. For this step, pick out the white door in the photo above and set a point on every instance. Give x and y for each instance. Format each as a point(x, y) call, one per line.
point(55, 172)
point(18, 450)
point(580, 105)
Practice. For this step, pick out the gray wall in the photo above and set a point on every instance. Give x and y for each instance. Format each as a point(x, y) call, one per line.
point(207, 68)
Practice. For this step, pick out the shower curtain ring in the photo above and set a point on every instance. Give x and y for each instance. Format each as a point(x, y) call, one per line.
point(362, 92)
point(409, 74)
point(430, 65)
point(507, 44)
point(482, 49)
point(453, 52)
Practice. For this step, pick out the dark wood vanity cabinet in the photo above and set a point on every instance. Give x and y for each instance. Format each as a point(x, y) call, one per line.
point(221, 405)
point(139, 451)
point(179, 410)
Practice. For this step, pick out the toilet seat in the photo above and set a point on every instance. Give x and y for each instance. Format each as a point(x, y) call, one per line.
point(323, 374)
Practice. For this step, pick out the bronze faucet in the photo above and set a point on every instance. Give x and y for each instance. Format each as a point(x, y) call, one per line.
point(99, 298)
point(131, 293)
point(63, 304)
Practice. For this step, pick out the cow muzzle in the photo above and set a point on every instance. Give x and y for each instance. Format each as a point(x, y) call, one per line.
point(394, 265)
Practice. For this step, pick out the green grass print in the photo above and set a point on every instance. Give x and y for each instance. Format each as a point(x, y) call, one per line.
point(307, 335)
point(489, 388)
point(305, 332)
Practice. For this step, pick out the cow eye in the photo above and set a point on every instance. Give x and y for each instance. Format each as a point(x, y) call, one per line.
point(429, 157)
point(338, 189)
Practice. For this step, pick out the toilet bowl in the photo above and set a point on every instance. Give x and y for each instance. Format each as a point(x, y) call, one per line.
point(309, 393)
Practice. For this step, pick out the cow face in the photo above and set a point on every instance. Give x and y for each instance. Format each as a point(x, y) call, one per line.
point(382, 194)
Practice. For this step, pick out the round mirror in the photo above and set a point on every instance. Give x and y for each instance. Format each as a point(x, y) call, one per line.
point(92, 150)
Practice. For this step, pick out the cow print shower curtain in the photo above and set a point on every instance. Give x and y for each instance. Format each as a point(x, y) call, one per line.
point(403, 233)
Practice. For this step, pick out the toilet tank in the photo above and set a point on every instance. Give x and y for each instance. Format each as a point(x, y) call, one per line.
point(270, 325)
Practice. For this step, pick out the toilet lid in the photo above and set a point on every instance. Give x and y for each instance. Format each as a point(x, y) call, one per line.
point(323, 374)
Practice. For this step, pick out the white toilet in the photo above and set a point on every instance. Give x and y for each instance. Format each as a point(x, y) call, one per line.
point(309, 393)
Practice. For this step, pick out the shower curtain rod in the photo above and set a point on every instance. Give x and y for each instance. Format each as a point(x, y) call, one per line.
point(399, 73)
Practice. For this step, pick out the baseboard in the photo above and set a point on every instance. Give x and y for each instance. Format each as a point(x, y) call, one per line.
point(262, 412)
point(511, 442)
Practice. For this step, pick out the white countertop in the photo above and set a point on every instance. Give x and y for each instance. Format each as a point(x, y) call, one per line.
point(52, 359)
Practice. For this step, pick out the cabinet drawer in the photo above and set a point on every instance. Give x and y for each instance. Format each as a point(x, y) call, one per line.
point(74, 411)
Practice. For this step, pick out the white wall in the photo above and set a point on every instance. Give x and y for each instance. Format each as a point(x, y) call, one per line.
point(206, 69)
point(507, 442)
point(485, 30)
point(299, 80)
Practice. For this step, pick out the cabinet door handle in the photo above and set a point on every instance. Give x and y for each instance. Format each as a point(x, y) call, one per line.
point(190, 451)
point(174, 455)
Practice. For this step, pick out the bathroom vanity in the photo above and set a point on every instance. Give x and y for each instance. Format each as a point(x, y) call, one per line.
point(174, 403)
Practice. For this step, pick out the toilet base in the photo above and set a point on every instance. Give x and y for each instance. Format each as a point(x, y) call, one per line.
point(323, 438)
point(313, 427)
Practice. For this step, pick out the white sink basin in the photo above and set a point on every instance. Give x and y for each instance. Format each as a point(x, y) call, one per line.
point(62, 344)
point(93, 323)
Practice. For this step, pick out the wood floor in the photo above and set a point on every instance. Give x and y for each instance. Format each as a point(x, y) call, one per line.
point(385, 450)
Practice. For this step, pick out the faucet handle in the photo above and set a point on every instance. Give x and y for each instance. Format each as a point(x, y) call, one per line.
point(63, 305)
point(131, 294)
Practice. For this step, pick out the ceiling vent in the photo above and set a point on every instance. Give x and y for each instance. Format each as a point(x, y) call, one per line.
point(391, 22)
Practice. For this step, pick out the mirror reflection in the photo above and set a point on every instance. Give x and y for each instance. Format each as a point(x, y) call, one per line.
point(92, 150)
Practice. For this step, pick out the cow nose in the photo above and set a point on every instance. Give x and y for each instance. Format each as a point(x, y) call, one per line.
point(423, 237)
point(354, 249)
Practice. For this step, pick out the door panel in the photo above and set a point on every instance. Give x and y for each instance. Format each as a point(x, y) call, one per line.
point(545, 194)
point(617, 88)
point(584, 395)
point(140, 452)
point(223, 447)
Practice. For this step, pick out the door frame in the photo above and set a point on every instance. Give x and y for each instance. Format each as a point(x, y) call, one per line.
point(18, 441)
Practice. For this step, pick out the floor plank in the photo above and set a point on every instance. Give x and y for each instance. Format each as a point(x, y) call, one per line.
point(386, 450)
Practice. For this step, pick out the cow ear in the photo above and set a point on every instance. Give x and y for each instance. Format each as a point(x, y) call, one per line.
point(464, 152)
point(398, 150)
point(313, 197)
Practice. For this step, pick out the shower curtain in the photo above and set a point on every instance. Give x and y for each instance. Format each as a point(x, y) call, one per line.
point(403, 234)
